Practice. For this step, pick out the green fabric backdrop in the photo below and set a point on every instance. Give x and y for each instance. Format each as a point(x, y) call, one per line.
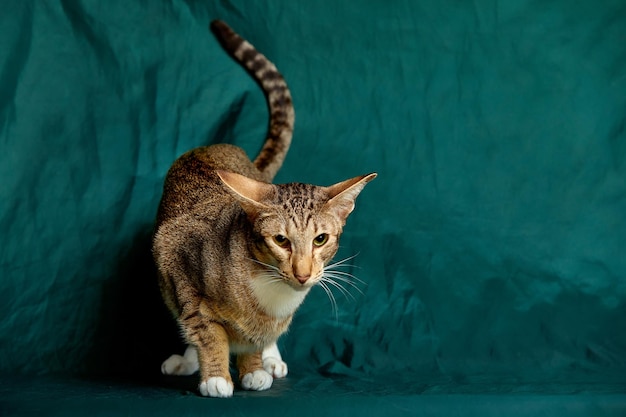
point(492, 244)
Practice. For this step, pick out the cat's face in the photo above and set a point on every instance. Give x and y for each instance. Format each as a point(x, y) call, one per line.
point(297, 225)
point(298, 247)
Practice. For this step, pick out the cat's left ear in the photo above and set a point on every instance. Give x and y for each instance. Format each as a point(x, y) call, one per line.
point(342, 195)
point(248, 192)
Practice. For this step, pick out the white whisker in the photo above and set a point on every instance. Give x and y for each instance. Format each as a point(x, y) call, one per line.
point(271, 281)
point(331, 276)
point(344, 280)
point(340, 287)
point(269, 277)
point(345, 276)
point(271, 267)
point(342, 262)
point(331, 297)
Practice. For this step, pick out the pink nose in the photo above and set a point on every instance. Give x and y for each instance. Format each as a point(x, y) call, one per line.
point(302, 278)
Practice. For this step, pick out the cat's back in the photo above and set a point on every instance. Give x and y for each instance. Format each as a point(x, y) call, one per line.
point(192, 180)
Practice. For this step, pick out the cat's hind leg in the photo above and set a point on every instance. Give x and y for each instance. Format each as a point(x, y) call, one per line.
point(273, 362)
point(182, 365)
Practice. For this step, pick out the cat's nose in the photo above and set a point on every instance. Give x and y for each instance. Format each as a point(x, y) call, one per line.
point(303, 278)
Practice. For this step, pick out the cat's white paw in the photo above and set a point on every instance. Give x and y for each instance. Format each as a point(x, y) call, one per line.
point(178, 365)
point(216, 387)
point(273, 361)
point(258, 380)
point(275, 367)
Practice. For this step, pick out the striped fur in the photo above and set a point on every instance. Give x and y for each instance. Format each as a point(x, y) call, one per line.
point(282, 115)
point(235, 254)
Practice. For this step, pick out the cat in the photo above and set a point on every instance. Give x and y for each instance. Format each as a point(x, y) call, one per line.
point(235, 254)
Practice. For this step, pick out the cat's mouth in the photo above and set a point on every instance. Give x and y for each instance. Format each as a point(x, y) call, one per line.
point(300, 284)
point(274, 274)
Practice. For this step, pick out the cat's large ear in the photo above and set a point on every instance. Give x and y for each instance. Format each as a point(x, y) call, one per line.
point(248, 192)
point(342, 195)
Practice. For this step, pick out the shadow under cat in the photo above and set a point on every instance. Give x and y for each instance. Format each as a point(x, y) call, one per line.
point(135, 331)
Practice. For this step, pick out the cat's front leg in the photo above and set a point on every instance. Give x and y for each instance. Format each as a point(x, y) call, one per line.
point(251, 373)
point(273, 362)
point(211, 342)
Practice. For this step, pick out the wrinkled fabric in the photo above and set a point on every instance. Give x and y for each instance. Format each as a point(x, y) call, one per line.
point(304, 395)
point(489, 251)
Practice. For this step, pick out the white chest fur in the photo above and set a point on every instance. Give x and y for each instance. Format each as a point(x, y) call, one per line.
point(277, 298)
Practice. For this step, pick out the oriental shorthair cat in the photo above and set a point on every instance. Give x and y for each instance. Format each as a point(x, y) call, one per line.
point(236, 255)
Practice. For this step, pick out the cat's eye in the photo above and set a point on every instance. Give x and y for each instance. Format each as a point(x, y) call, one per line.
point(320, 240)
point(281, 241)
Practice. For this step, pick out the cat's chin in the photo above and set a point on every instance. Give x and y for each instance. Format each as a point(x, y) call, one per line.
point(297, 286)
point(301, 288)
point(279, 298)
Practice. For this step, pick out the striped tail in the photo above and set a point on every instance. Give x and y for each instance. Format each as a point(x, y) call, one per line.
point(282, 115)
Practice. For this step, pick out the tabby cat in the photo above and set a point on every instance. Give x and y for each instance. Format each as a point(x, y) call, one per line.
point(236, 255)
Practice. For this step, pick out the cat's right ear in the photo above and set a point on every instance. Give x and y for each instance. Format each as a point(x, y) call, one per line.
point(249, 193)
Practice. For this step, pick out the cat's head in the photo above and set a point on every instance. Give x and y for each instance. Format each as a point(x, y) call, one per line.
point(296, 226)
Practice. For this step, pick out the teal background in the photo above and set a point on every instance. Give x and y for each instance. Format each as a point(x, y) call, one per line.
point(491, 244)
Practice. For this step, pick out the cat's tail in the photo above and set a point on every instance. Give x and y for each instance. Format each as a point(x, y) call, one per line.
point(282, 115)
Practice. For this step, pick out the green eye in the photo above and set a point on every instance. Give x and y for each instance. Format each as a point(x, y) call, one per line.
point(281, 241)
point(320, 240)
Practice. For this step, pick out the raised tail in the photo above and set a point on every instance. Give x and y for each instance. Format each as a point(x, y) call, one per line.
point(282, 115)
